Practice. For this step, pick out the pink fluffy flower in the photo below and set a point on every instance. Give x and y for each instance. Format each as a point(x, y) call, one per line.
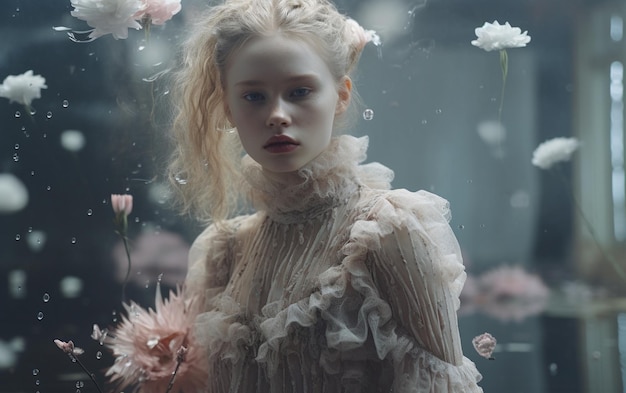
point(159, 11)
point(149, 345)
point(484, 345)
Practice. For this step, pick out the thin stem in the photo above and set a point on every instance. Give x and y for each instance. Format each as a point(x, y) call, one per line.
point(589, 227)
point(91, 376)
point(504, 66)
point(127, 249)
point(170, 385)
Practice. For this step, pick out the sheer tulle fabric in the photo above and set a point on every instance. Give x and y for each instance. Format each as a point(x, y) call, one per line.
point(337, 284)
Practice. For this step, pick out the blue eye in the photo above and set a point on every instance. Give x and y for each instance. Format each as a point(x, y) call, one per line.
point(300, 92)
point(253, 97)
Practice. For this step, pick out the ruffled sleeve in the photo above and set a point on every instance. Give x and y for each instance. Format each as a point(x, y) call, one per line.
point(210, 261)
point(418, 268)
point(416, 265)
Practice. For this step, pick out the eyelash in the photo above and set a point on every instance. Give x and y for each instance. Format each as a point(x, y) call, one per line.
point(255, 97)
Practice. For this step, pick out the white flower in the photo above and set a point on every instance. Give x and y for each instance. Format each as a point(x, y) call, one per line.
point(360, 36)
point(160, 11)
point(13, 194)
point(113, 17)
point(494, 36)
point(491, 132)
point(72, 140)
point(554, 150)
point(23, 88)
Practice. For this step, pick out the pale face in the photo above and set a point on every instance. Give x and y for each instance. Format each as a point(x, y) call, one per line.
point(283, 100)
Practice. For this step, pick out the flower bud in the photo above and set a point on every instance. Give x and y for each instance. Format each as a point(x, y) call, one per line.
point(122, 204)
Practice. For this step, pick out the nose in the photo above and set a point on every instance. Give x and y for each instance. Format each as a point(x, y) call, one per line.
point(279, 115)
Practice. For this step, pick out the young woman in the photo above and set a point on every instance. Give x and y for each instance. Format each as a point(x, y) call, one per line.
point(335, 283)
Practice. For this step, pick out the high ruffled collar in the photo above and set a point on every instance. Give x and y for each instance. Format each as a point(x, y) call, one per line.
point(327, 181)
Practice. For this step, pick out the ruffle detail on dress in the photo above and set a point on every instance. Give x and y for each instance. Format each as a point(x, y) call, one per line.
point(418, 371)
point(323, 183)
point(209, 271)
point(348, 320)
point(358, 322)
point(223, 331)
point(420, 212)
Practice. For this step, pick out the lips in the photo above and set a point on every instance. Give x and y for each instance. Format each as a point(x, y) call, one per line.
point(280, 144)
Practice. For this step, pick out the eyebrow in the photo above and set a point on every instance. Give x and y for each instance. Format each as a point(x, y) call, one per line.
point(296, 78)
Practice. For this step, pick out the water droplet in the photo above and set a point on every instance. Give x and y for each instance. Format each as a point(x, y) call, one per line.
point(49, 188)
point(80, 384)
point(368, 114)
point(136, 219)
point(35, 371)
point(17, 146)
point(30, 229)
point(461, 226)
point(89, 212)
point(16, 157)
point(37, 382)
point(49, 115)
point(40, 315)
point(32, 173)
point(18, 114)
point(98, 355)
point(65, 103)
point(46, 297)
point(147, 285)
point(33, 111)
point(73, 240)
point(160, 277)
point(424, 121)
point(18, 237)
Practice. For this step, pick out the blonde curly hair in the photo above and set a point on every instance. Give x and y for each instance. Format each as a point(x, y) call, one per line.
point(204, 165)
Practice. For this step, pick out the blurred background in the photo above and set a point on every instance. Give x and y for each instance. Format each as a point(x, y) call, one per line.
point(539, 245)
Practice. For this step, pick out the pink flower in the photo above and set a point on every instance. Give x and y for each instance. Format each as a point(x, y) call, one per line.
point(510, 293)
point(360, 36)
point(122, 204)
point(159, 11)
point(68, 347)
point(484, 345)
point(149, 345)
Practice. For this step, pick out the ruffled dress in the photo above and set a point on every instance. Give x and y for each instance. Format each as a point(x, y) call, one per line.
point(335, 284)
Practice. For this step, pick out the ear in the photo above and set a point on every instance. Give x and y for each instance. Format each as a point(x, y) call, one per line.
point(344, 92)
